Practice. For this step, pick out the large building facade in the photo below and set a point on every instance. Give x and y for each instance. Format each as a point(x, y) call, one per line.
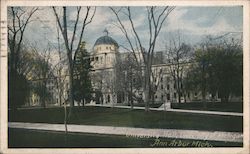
point(118, 80)
point(107, 77)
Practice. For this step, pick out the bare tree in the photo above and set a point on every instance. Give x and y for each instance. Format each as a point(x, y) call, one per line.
point(156, 16)
point(178, 54)
point(70, 43)
point(18, 19)
point(128, 81)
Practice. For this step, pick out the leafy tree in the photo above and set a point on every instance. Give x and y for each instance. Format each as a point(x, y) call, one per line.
point(18, 92)
point(82, 82)
point(218, 69)
point(226, 71)
point(19, 87)
point(43, 74)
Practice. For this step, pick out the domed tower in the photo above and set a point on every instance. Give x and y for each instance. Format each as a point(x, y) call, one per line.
point(104, 56)
point(105, 52)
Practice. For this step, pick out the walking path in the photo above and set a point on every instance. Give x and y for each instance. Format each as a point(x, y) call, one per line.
point(173, 110)
point(135, 132)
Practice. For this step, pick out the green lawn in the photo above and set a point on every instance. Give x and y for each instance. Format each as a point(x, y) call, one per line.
point(137, 118)
point(210, 106)
point(20, 138)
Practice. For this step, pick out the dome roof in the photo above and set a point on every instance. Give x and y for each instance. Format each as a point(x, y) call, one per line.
point(106, 40)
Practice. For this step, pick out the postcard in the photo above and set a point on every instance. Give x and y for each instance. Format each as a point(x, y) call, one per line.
point(124, 76)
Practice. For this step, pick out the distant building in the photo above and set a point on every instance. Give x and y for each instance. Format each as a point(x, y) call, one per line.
point(56, 88)
point(106, 78)
point(106, 55)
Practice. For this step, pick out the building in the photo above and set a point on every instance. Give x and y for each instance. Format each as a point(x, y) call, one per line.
point(103, 59)
point(116, 78)
point(107, 76)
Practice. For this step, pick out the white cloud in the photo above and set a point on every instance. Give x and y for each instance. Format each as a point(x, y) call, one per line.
point(177, 22)
point(104, 18)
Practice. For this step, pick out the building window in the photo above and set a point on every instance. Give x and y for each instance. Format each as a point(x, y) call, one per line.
point(107, 48)
point(168, 97)
point(96, 58)
point(174, 95)
point(161, 87)
point(108, 98)
point(168, 87)
point(155, 96)
point(101, 59)
point(161, 96)
point(134, 80)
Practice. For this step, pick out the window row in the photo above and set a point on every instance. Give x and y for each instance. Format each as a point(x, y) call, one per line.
point(107, 48)
point(101, 59)
point(174, 96)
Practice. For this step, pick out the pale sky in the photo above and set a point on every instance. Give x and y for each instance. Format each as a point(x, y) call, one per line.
point(193, 23)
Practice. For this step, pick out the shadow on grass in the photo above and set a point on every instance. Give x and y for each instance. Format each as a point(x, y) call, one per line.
point(21, 138)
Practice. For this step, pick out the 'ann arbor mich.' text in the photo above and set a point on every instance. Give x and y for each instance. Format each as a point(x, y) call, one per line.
point(179, 143)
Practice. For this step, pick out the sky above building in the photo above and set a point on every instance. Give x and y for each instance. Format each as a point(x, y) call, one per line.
point(193, 24)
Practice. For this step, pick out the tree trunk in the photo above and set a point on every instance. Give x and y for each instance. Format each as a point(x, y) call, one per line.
point(146, 94)
point(147, 90)
point(179, 96)
point(71, 90)
point(153, 97)
point(60, 88)
point(130, 96)
point(65, 118)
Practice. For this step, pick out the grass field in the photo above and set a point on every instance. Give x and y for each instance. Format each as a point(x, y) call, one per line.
point(210, 106)
point(20, 138)
point(137, 118)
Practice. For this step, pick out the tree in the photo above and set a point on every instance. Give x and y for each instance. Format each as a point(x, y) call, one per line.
point(42, 74)
point(19, 18)
point(178, 55)
point(70, 43)
point(226, 70)
point(128, 79)
point(156, 16)
point(18, 93)
point(218, 69)
point(197, 74)
point(60, 71)
point(82, 82)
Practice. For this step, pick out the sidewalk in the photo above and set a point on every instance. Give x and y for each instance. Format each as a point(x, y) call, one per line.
point(173, 110)
point(136, 132)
